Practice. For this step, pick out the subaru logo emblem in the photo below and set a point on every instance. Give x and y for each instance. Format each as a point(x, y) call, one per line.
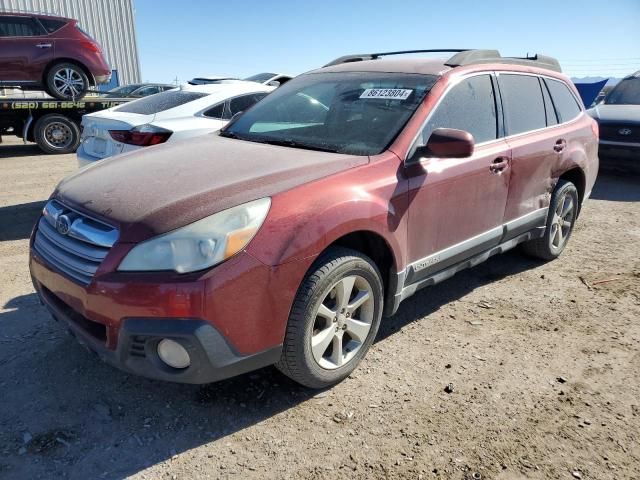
point(624, 131)
point(63, 224)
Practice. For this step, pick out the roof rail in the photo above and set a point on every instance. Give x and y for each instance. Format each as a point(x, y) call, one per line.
point(374, 56)
point(472, 57)
point(462, 57)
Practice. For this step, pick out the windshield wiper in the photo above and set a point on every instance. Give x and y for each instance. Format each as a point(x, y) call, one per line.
point(294, 144)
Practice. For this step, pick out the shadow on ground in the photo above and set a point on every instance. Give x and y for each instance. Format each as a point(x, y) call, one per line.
point(109, 421)
point(617, 187)
point(19, 150)
point(17, 221)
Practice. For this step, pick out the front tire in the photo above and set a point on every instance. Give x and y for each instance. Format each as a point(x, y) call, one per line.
point(67, 81)
point(334, 320)
point(563, 212)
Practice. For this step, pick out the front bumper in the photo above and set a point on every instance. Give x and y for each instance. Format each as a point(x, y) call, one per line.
point(619, 155)
point(212, 358)
point(227, 318)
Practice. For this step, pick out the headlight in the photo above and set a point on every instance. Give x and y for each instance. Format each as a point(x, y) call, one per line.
point(201, 244)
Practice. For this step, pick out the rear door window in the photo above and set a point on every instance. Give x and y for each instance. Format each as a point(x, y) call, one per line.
point(242, 103)
point(19, 27)
point(566, 104)
point(160, 102)
point(469, 106)
point(216, 112)
point(523, 103)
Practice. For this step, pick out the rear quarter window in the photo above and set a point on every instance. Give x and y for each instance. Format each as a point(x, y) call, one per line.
point(160, 102)
point(566, 104)
point(523, 103)
point(52, 26)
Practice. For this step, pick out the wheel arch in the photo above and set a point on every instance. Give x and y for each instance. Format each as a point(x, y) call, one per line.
point(576, 176)
point(52, 63)
point(379, 250)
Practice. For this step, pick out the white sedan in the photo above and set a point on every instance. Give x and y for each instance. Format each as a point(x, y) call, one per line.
point(184, 112)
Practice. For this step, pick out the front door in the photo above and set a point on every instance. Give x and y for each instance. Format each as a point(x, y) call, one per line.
point(457, 205)
point(25, 49)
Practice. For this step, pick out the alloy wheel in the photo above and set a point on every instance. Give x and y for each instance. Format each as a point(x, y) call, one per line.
point(562, 222)
point(68, 82)
point(342, 322)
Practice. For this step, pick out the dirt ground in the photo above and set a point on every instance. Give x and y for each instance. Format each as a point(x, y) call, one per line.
point(543, 360)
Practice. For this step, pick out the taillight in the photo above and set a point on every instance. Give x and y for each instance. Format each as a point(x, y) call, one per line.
point(91, 46)
point(143, 136)
point(595, 128)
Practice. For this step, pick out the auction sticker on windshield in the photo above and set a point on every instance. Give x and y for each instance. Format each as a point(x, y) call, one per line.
point(387, 93)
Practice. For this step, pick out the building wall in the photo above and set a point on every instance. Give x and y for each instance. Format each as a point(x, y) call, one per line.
point(110, 22)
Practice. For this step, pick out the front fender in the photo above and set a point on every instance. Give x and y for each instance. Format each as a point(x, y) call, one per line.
point(306, 220)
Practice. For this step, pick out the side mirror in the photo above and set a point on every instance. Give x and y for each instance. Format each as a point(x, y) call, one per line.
point(447, 143)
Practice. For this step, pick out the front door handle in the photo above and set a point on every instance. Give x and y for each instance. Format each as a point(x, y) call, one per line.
point(560, 145)
point(499, 165)
point(43, 45)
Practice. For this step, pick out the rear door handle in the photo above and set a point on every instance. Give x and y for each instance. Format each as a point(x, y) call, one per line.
point(560, 145)
point(499, 164)
point(43, 45)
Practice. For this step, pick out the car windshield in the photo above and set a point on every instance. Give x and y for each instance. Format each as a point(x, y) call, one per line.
point(121, 91)
point(627, 92)
point(358, 113)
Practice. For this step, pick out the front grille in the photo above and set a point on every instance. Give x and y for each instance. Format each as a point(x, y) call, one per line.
point(612, 132)
point(71, 242)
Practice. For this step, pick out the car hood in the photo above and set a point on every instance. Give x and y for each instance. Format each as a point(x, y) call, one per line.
point(616, 113)
point(158, 189)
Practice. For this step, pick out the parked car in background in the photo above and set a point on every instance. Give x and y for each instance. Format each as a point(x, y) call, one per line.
point(273, 79)
point(168, 116)
point(43, 52)
point(137, 90)
point(283, 239)
point(618, 117)
point(210, 79)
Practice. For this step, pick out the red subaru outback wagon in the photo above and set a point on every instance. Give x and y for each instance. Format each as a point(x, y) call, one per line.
point(51, 53)
point(285, 238)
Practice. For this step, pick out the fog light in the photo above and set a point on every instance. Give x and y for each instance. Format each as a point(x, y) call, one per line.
point(173, 354)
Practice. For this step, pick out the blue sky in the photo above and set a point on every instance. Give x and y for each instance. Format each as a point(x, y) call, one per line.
point(195, 37)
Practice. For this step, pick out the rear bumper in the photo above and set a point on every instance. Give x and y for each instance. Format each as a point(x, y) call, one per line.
point(103, 78)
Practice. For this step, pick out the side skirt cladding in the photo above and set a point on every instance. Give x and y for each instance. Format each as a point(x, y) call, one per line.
point(444, 264)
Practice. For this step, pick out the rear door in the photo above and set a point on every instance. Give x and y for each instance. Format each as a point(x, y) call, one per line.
point(529, 120)
point(457, 204)
point(25, 49)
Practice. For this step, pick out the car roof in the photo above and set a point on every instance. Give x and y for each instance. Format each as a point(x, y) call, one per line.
point(39, 15)
point(228, 86)
point(424, 66)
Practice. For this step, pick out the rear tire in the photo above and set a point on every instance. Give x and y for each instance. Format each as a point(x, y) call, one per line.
point(334, 319)
point(561, 219)
point(67, 81)
point(56, 134)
